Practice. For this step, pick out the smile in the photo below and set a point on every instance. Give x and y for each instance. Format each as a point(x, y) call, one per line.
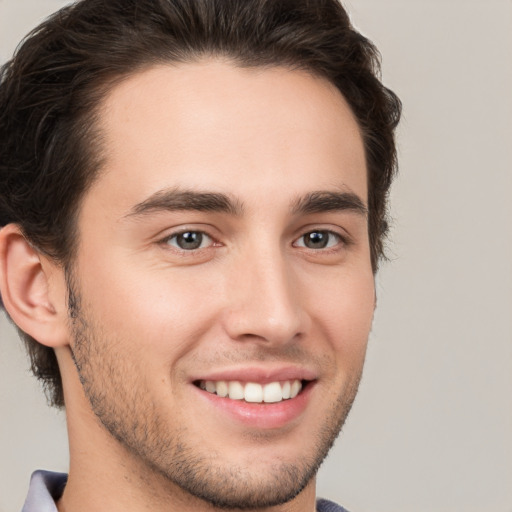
point(253, 392)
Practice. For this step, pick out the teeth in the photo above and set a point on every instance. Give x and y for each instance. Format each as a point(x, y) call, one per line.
point(296, 387)
point(221, 388)
point(236, 390)
point(253, 392)
point(286, 389)
point(210, 386)
point(272, 392)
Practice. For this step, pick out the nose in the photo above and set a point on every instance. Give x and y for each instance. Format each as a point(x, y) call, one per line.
point(264, 301)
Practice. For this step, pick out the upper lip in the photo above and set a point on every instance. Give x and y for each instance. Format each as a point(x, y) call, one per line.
point(258, 374)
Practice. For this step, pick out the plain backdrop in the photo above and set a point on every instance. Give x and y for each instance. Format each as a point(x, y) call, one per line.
point(431, 430)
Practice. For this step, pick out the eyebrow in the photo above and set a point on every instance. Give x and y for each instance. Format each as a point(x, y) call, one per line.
point(178, 199)
point(325, 201)
point(175, 200)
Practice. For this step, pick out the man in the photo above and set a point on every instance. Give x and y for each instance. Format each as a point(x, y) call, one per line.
point(193, 201)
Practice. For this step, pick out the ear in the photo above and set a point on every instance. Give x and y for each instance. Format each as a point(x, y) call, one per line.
point(32, 289)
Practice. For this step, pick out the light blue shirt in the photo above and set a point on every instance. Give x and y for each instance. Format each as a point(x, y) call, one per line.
point(46, 487)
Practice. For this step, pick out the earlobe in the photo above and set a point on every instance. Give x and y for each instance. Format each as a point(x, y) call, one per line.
point(25, 289)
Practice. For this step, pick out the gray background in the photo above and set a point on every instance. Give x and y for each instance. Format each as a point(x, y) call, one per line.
point(432, 427)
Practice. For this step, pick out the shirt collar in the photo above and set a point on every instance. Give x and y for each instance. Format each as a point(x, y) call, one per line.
point(45, 489)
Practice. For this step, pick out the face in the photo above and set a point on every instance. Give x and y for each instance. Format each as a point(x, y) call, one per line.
point(223, 281)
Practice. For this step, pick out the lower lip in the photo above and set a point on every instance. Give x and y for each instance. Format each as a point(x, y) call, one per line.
point(262, 415)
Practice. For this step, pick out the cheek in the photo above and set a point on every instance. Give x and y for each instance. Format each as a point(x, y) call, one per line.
point(149, 309)
point(345, 310)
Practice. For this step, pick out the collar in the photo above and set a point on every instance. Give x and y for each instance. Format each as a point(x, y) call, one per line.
point(45, 489)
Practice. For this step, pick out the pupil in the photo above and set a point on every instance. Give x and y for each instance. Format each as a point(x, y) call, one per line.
point(190, 240)
point(316, 240)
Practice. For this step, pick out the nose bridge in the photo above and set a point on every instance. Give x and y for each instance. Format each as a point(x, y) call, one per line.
point(265, 303)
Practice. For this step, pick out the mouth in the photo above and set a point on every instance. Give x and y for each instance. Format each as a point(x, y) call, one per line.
point(254, 392)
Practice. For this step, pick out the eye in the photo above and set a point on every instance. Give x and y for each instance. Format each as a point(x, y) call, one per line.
point(189, 240)
point(319, 240)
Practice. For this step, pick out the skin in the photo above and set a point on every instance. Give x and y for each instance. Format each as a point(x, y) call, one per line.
point(151, 317)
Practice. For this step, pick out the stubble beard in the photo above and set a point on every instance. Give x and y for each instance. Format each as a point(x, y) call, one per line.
point(126, 411)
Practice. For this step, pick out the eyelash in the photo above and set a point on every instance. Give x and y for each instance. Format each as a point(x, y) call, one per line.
point(340, 240)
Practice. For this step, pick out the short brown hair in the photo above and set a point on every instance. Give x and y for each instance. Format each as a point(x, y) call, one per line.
point(50, 91)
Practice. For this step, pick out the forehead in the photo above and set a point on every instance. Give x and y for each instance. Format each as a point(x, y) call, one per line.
point(217, 126)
